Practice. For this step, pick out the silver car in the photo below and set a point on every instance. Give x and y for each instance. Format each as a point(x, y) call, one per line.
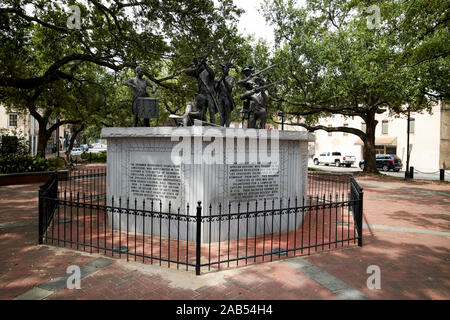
point(77, 152)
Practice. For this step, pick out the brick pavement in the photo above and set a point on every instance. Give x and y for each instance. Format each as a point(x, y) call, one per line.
point(413, 265)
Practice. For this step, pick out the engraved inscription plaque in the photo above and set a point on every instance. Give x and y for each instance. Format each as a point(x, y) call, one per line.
point(155, 181)
point(249, 182)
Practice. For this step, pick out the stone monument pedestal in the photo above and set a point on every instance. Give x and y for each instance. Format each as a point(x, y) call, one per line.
point(228, 170)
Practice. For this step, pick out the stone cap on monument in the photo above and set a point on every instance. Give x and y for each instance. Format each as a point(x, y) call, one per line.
point(203, 131)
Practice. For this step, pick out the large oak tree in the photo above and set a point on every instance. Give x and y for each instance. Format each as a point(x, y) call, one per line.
point(341, 59)
point(42, 59)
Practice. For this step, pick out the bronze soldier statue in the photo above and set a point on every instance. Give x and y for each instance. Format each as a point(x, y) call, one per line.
point(139, 86)
point(205, 99)
point(224, 88)
point(246, 83)
point(257, 111)
point(255, 98)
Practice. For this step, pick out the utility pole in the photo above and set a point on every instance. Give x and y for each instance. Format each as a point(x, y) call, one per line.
point(57, 142)
point(407, 143)
point(281, 114)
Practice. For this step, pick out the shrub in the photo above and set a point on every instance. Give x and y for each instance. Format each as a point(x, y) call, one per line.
point(55, 163)
point(316, 169)
point(95, 157)
point(22, 164)
point(13, 146)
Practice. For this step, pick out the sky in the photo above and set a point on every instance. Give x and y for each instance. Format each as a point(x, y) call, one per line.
point(252, 22)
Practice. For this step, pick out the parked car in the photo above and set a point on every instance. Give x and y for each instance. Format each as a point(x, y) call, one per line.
point(76, 152)
point(97, 148)
point(85, 147)
point(335, 158)
point(386, 162)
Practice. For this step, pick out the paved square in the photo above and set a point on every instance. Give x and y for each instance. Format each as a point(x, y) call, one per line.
point(406, 234)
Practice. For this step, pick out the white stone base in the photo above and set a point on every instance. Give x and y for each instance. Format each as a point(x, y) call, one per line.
point(224, 169)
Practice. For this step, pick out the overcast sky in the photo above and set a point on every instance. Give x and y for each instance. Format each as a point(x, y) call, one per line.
point(253, 22)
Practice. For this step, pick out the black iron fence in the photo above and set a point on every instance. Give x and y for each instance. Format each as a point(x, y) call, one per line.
point(47, 205)
point(74, 212)
point(84, 183)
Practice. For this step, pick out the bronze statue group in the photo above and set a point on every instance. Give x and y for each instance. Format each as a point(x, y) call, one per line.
point(214, 95)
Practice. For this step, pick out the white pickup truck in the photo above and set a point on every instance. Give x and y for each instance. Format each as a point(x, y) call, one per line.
point(335, 158)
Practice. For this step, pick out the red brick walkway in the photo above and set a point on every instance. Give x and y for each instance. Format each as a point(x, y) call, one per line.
point(414, 264)
point(86, 230)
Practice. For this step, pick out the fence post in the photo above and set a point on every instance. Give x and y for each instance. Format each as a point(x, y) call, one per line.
point(360, 217)
point(198, 239)
point(41, 216)
point(411, 172)
point(48, 192)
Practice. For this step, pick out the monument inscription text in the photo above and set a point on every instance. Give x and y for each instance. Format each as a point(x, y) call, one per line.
point(247, 182)
point(155, 181)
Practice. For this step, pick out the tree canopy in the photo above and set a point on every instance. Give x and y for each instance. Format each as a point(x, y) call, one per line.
point(75, 74)
point(343, 58)
point(354, 58)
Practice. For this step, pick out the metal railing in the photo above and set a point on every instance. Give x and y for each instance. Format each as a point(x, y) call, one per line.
point(47, 206)
point(321, 183)
point(78, 215)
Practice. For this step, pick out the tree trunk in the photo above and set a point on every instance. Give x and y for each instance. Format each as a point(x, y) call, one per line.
point(75, 133)
point(370, 164)
point(43, 137)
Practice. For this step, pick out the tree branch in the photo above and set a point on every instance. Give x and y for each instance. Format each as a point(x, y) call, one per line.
point(354, 131)
point(60, 123)
point(19, 13)
point(53, 73)
point(319, 108)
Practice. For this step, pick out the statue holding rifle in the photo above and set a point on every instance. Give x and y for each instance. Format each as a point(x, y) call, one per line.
point(255, 98)
point(205, 99)
point(224, 88)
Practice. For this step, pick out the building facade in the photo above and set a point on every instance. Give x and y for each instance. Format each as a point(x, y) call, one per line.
point(429, 137)
point(25, 125)
point(20, 124)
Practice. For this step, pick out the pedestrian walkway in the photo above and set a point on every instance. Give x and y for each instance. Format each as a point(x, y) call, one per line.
point(406, 234)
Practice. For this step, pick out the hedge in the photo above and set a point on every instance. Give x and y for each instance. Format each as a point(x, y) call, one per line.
point(29, 164)
point(95, 157)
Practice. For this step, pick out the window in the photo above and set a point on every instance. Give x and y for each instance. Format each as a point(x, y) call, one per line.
point(385, 126)
point(12, 120)
point(412, 125)
point(346, 126)
point(363, 126)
